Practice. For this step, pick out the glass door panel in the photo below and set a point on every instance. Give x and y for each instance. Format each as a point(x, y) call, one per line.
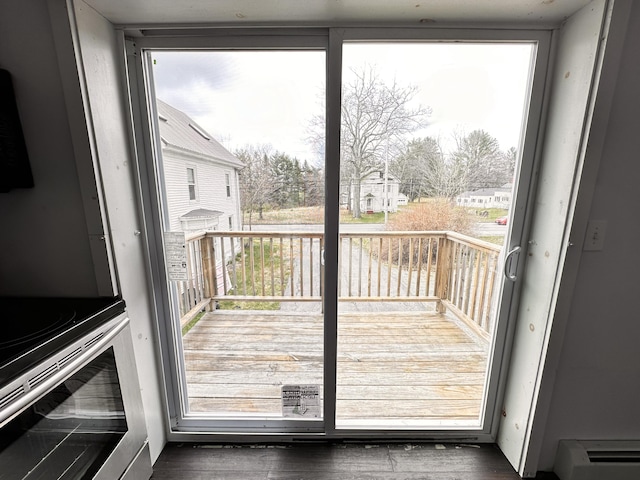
point(241, 167)
point(430, 144)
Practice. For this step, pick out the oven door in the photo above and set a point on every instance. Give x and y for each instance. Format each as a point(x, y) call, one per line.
point(83, 419)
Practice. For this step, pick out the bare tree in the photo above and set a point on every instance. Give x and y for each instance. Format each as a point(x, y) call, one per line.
point(375, 119)
point(255, 179)
point(478, 162)
point(421, 170)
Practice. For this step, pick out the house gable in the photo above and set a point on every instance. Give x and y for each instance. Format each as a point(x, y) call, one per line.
point(201, 176)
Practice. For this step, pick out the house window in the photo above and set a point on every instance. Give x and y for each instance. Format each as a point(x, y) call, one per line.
point(191, 182)
point(227, 180)
point(230, 223)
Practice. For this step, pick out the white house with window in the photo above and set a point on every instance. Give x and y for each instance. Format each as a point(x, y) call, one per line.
point(201, 176)
point(373, 194)
point(486, 198)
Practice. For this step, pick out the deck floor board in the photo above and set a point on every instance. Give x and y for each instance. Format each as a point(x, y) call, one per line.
point(414, 366)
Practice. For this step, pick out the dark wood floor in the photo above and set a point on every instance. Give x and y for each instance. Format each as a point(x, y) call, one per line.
point(340, 461)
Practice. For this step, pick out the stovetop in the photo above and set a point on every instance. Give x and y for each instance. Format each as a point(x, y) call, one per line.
point(36, 327)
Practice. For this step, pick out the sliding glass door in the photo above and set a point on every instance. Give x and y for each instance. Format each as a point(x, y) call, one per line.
point(430, 147)
point(335, 218)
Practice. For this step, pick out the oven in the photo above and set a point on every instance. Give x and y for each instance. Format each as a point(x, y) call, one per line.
point(70, 404)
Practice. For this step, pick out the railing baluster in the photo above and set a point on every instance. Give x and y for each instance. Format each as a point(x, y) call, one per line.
point(379, 267)
point(310, 266)
point(190, 286)
point(350, 263)
point(301, 263)
point(291, 271)
point(271, 268)
point(492, 275)
point(420, 260)
point(476, 280)
point(244, 266)
point(410, 270)
point(389, 264)
point(360, 269)
point(369, 271)
point(471, 259)
point(200, 281)
point(399, 265)
point(427, 289)
point(252, 266)
point(234, 267)
point(458, 263)
point(281, 253)
point(483, 291)
point(223, 266)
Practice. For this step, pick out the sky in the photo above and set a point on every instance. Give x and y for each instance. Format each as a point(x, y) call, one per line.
point(270, 97)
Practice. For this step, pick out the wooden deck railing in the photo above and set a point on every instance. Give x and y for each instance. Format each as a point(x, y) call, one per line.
point(467, 278)
point(455, 271)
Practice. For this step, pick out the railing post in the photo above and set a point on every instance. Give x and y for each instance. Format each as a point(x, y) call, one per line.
point(214, 269)
point(208, 269)
point(443, 266)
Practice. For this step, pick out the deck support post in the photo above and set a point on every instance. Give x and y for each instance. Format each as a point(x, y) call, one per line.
point(208, 261)
point(443, 265)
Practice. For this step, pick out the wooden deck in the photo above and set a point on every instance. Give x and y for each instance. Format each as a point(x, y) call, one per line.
point(394, 369)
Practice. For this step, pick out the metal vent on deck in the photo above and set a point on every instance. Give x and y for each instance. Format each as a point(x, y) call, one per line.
point(11, 396)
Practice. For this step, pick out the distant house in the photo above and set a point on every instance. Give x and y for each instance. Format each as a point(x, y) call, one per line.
point(373, 194)
point(201, 176)
point(486, 198)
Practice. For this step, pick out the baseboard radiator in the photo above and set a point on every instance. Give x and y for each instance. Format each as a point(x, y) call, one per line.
point(598, 460)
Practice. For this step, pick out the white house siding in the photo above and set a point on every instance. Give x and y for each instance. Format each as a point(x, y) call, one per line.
point(211, 191)
point(176, 191)
point(485, 198)
point(373, 187)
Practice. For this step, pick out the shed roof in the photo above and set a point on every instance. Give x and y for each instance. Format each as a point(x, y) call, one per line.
point(202, 213)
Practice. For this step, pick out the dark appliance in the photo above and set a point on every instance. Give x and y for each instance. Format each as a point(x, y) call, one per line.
point(70, 403)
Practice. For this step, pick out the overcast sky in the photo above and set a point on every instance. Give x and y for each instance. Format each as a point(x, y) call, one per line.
point(251, 98)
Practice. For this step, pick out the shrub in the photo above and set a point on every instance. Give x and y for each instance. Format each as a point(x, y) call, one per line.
point(437, 215)
point(433, 215)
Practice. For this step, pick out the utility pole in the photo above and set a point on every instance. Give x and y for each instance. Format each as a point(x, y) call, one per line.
point(386, 183)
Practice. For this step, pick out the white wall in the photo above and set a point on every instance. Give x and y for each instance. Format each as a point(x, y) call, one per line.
point(597, 389)
point(545, 278)
point(44, 245)
point(100, 62)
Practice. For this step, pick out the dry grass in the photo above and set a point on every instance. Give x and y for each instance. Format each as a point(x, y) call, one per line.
point(258, 281)
point(287, 216)
point(308, 216)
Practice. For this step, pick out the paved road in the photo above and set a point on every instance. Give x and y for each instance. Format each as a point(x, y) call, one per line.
point(481, 229)
point(490, 229)
point(345, 227)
